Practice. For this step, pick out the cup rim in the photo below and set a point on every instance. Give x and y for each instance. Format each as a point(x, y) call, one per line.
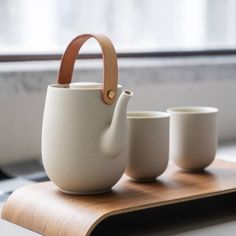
point(192, 110)
point(147, 115)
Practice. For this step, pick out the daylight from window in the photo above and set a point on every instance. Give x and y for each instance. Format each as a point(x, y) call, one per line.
point(28, 26)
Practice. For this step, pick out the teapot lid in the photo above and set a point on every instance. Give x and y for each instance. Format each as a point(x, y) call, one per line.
point(85, 85)
point(88, 86)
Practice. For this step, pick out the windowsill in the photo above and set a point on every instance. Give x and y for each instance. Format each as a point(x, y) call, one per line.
point(35, 76)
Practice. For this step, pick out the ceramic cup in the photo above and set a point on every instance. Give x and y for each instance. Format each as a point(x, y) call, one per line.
point(148, 144)
point(193, 136)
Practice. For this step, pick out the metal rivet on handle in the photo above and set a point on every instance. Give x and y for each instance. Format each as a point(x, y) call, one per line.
point(111, 94)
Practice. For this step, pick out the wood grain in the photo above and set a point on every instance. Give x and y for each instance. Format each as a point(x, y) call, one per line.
point(43, 209)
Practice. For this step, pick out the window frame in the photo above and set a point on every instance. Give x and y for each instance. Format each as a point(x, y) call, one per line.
point(154, 54)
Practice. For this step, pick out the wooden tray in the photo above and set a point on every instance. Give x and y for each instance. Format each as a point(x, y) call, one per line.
point(43, 209)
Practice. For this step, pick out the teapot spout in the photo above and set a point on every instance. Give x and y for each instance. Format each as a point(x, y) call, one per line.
point(114, 139)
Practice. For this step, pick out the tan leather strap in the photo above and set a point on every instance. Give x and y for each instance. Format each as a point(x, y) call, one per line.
point(110, 70)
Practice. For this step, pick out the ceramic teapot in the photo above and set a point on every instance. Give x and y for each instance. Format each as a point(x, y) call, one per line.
point(84, 131)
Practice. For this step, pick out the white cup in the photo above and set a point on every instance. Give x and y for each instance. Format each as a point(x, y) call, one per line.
point(148, 144)
point(193, 136)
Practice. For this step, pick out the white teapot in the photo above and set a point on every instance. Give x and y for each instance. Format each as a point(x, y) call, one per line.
point(84, 132)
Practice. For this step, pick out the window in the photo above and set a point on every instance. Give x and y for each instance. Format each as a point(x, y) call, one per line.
point(47, 26)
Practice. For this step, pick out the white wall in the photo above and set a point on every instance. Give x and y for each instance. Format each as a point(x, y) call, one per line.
point(157, 85)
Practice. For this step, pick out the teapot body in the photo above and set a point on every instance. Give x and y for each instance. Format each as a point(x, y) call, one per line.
point(73, 124)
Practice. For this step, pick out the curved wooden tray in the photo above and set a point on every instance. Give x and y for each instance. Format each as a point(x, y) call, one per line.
point(43, 209)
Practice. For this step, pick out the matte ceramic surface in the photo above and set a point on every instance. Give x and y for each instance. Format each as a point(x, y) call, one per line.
point(193, 136)
point(83, 139)
point(148, 144)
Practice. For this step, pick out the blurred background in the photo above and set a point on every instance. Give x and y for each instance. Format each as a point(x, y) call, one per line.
point(170, 53)
point(47, 26)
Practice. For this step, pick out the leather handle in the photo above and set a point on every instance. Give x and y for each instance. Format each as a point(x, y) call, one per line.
point(110, 68)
